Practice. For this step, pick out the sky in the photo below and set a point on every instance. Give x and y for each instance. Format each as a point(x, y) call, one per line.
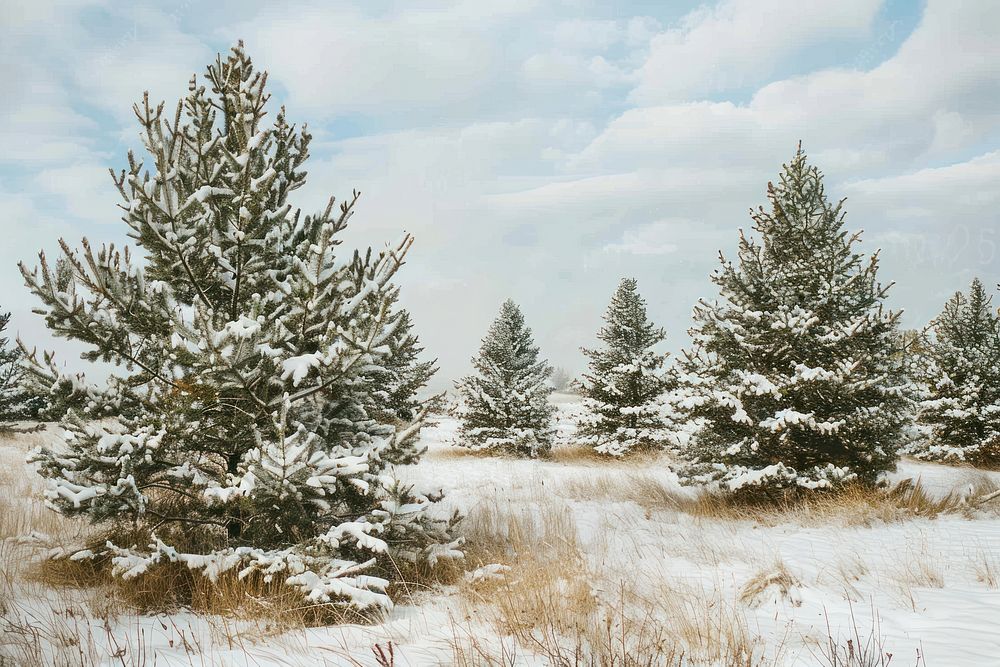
point(538, 150)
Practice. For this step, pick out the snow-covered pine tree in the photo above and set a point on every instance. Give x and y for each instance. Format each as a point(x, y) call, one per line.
point(961, 414)
point(794, 369)
point(17, 401)
point(393, 398)
point(622, 406)
point(235, 434)
point(505, 406)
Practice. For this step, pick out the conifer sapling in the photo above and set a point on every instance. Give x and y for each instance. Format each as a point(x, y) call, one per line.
point(961, 414)
point(505, 406)
point(622, 407)
point(17, 400)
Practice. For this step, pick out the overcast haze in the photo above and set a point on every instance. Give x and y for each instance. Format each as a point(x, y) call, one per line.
point(540, 150)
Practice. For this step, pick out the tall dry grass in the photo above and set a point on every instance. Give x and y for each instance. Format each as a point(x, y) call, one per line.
point(854, 505)
point(541, 596)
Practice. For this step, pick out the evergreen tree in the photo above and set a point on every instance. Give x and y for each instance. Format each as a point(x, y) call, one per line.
point(561, 379)
point(393, 397)
point(505, 407)
point(240, 432)
point(794, 371)
point(961, 414)
point(623, 410)
point(17, 401)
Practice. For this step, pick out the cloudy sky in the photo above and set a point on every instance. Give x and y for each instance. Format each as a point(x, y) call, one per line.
point(540, 149)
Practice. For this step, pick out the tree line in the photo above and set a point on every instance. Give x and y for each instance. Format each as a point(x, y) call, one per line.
point(798, 376)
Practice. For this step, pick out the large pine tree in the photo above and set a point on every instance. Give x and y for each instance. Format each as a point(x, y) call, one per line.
point(961, 414)
point(626, 379)
point(505, 406)
point(793, 370)
point(249, 348)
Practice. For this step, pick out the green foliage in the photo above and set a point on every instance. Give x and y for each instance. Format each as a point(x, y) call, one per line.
point(794, 376)
point(246, 424)
point(505, 407)
point(961, 414)
point(18, 402)
point(626, 379)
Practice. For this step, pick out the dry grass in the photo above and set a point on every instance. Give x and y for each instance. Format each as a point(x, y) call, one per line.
point(170, 587)
point(584, 454)
point(69, 613)
point(849, 572)
point(987, 568)
point(859, 649)
point(550, 603)
point(641, 488)
point(775, 582)
point(29, 530)
point(855, 505)
point(919, 569)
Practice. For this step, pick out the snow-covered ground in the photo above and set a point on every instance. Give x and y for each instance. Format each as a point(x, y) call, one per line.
point(927, 587)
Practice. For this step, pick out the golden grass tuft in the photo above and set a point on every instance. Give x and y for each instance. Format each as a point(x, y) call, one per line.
point(777, 580)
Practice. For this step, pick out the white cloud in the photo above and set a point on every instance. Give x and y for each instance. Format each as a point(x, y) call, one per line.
point(737, 44)
point(86, 189)
point(38, 124)
point(154, 55)
point(964, 191)
point(338, 60)
point(506, 142)
point(938, 228)
point(853, 122)
point(655, 238)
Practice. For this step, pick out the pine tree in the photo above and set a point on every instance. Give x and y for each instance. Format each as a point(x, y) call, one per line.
point(505, 407)
point(962, 411)
point(793, 370)
point(237, 432)
point(623, 410)
point(17, 401)
point(561, 379)
point(395, 387)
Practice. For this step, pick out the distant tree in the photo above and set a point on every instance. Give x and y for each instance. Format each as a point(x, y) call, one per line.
point(623, 410)
point(505, 405)
point(794, 369)
point(560, 379)
point(962, 411)
point(17, 400)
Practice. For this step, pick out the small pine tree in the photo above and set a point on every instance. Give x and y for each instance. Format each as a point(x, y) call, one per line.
point(505, 407)
point(961, 414)
point(623, 410)
point(794, 371)
point(561, 379)
point(238, 431)
point(17, 401)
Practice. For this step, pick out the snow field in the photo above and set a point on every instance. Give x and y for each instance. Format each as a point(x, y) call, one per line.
point(572, 555)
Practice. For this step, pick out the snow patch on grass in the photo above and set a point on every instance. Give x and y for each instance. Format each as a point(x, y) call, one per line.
point(573, 554)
